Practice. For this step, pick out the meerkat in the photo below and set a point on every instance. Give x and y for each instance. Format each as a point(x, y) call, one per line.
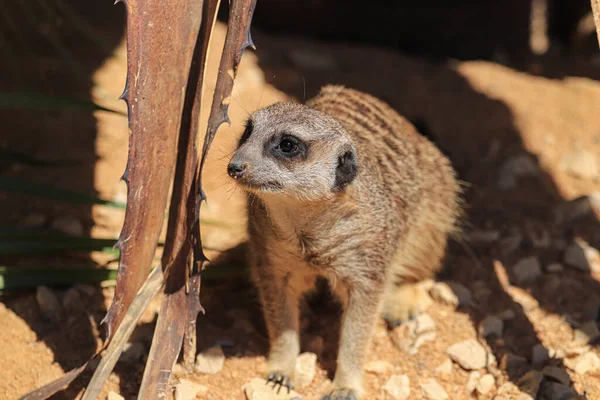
point(345, 188)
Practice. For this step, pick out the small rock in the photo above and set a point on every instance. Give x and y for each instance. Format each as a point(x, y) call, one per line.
point(444, 369)
point(591, 309)
point(486, 384)
point(572, 210)
point(72, 300)
point(397, 387)
point(259, 389)
point(33, 220)
point(114, 396)
point(581, 256)
point(306, 367)
point(470, 355)
point(421, 340)
point(472, 381)
point(539, 354)
point(432, 390)
point(451, 293)
point(421, 324)
point(530, 382)
point(513, 361)
point(588, 333)
point(491, 326)
point(515, 167)
point(379, 367)
point(557, 391)
point(188, 390)
point(554, 268)
point(588, 362)
point(580, 164)
point(507, 315)
point(210, 361)
point(49, 305)
point(68, 225)
point(132, 352)
point(527, 270)
point(557, 354)
point(558, 374)
point(509, 244)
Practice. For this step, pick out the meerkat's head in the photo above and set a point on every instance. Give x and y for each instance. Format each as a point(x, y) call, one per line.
point(293, 150)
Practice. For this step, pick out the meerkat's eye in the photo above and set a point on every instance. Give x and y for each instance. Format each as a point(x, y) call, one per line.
point(289, 146)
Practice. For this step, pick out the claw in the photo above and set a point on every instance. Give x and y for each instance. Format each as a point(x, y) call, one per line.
point(280, 380)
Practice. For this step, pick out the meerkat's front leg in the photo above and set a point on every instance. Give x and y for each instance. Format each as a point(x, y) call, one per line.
point(362, 305)
point(280, 308)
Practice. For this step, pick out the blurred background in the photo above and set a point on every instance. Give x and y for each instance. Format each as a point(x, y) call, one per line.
point(507, 89)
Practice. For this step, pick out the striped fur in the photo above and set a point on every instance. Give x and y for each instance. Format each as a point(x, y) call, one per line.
point(384, 231)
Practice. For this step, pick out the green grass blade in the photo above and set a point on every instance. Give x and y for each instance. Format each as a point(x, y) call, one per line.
point(54, 244)
point(24, 100)
point(20, 278)
point(13, 185)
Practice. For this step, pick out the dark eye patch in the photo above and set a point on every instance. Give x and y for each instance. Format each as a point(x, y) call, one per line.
point(289, 146)
point(247, 132)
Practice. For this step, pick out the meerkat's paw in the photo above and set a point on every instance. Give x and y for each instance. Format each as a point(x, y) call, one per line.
point(280, 380)
point(405, 302)
point(342, 394)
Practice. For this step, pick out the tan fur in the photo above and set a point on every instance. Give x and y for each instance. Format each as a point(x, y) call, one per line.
point(372, 240)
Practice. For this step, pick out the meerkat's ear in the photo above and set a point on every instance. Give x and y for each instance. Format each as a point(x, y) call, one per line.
point(346, 170)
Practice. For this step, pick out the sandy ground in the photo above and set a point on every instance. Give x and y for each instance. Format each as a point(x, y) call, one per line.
point(525, 145)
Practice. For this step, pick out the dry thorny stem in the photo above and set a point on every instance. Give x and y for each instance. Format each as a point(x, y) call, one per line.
point(163, 128)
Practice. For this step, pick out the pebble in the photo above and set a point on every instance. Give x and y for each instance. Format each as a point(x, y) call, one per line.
point(421, 324)
point(588, 362)
point(554, 268)
point(588, 333)
point(188, 390)
point(49, 305)
point(572, 210)
point(379, 367)
point(557, 391)
point(432, 390)
point(527, 270)
point(581, 256)
point(210, 361)
point(486, 384)
point(470, 355)
point(397, 387)
point(558, 374)
point(451, 293)
point(259, 389)
point(72, 300)
point(513, 168)
point(114, 396)
point(306, 368)
point(132, 352)
point(68, 225)
point(472, 381)
point(491, 326)
point(513, 361)
point(445, 368)
point(530, 382)
point(580, 164)
point(539, 354)
point(591, 309)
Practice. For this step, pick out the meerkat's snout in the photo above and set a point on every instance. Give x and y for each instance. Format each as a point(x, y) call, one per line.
point(237, 170)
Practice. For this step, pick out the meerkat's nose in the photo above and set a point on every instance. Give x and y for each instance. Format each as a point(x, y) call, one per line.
point(237, 170)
